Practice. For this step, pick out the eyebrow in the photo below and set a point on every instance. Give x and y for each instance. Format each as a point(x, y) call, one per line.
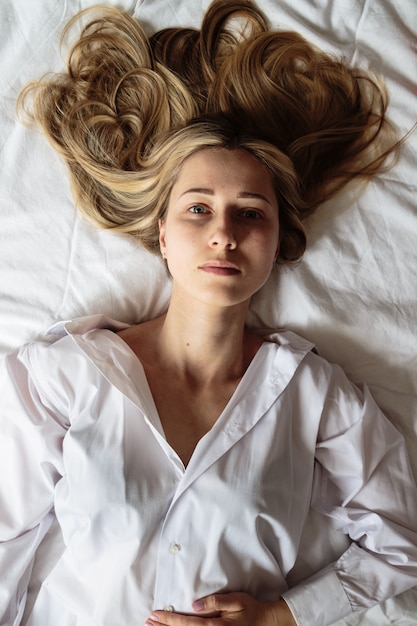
point(241, 194)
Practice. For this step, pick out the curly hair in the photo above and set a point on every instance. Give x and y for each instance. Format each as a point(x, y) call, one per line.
point(330, 119)
point(122, 113)
point(149, 191)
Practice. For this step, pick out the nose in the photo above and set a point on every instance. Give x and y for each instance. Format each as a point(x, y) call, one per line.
point(223, 235)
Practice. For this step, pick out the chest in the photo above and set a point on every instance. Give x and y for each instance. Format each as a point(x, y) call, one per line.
point(187, 413)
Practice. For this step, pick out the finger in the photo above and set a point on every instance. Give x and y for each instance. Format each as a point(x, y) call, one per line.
point(220, 603)
point(164, 618)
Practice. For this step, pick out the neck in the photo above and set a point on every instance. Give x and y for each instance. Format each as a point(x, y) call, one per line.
point(204, 343)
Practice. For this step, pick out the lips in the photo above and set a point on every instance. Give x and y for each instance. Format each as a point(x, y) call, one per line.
point(220, 268)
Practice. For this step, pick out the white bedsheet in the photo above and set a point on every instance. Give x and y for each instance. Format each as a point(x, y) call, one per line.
point(355, 292)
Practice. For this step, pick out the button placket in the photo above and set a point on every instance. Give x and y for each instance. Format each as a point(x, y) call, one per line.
point(173, 549)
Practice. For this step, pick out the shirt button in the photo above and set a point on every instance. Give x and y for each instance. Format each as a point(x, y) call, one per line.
point(169, 608)
point(175, 548)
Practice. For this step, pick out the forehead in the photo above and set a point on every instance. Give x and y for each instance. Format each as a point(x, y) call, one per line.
point(225, 167)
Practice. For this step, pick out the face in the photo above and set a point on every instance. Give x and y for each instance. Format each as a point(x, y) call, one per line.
point(221, 230)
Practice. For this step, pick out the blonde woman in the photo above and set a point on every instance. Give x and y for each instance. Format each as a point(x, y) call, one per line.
point(179, 457)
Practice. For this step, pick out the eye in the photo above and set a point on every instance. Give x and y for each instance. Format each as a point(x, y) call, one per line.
point(251, 214)
point(197, 209)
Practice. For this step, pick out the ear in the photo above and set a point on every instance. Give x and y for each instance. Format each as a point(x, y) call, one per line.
point(162, 243)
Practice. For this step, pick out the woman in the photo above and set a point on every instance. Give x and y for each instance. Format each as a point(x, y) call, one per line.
point(180, 456)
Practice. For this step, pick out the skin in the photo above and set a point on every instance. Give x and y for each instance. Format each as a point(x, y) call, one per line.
point(229, 609)
point(220, 238)
point(222, 208)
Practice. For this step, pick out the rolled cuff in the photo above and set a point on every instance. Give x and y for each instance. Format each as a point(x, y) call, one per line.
point(319, 600)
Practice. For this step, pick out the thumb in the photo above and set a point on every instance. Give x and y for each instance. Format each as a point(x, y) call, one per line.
point(218, 603)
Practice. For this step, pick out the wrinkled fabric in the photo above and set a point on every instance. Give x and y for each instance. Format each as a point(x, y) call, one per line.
point(82, 442)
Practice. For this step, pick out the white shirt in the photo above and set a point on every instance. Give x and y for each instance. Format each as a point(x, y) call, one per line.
point(81, 440)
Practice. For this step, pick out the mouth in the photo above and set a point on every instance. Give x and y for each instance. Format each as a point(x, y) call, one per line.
point(220, 268)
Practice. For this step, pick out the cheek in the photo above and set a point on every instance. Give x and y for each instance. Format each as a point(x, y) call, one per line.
point(276, 241)
point(269, 242)
point(277, 246)
point(178, 245)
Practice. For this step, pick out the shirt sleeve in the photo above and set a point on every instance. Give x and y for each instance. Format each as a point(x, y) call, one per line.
point(30, 465)
point(363, 482)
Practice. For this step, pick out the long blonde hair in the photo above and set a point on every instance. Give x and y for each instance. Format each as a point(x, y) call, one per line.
point(120, 115)
point(144, 196)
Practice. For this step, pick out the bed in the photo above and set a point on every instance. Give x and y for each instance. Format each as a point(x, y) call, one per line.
point(354, 295)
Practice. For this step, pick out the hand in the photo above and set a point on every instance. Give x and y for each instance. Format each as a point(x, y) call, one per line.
point(227, 609)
